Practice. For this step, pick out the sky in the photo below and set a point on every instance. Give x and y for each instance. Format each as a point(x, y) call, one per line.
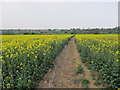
point(119, 13)
point(57, 15)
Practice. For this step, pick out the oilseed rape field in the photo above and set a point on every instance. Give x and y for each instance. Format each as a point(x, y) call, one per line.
point(26, 58)
point(100, 52)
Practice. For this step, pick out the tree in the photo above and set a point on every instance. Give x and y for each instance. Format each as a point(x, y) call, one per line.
point(96, 32)
point(73, 32)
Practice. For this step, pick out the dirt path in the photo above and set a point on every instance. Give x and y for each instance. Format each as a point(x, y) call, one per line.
point(63, 74)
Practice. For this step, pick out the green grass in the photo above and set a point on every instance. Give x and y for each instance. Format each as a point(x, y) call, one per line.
point(93, 74)
point(85, 82)
point(79, 69)
point(97, 82)
point(77, 81)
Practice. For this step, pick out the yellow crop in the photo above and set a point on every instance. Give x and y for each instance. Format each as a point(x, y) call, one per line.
point(26, 58)
point(101, 51)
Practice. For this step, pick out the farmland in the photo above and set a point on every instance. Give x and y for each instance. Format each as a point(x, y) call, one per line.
point(101, 52)
point(27, 59)
point(55, 44)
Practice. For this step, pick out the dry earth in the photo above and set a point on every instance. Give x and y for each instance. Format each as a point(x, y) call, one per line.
point(63, 74)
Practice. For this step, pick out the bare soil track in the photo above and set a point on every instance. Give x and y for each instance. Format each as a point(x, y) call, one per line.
point(63, 74)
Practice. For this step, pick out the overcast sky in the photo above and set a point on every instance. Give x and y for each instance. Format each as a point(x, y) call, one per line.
point(46, 15)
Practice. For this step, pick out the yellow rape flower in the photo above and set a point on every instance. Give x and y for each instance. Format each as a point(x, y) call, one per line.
point(7, 56)
point(21, 64)
point(6, 77)
point(91, 61)
point(76, 65)
point(44, 53)
point(8, 85)
point(16, 53)
point(35, 57)
point(117, 52)
point(117, 60)
point(17, 71)
point(11, 55)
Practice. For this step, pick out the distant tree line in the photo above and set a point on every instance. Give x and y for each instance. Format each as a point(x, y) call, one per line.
point(62, 31)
